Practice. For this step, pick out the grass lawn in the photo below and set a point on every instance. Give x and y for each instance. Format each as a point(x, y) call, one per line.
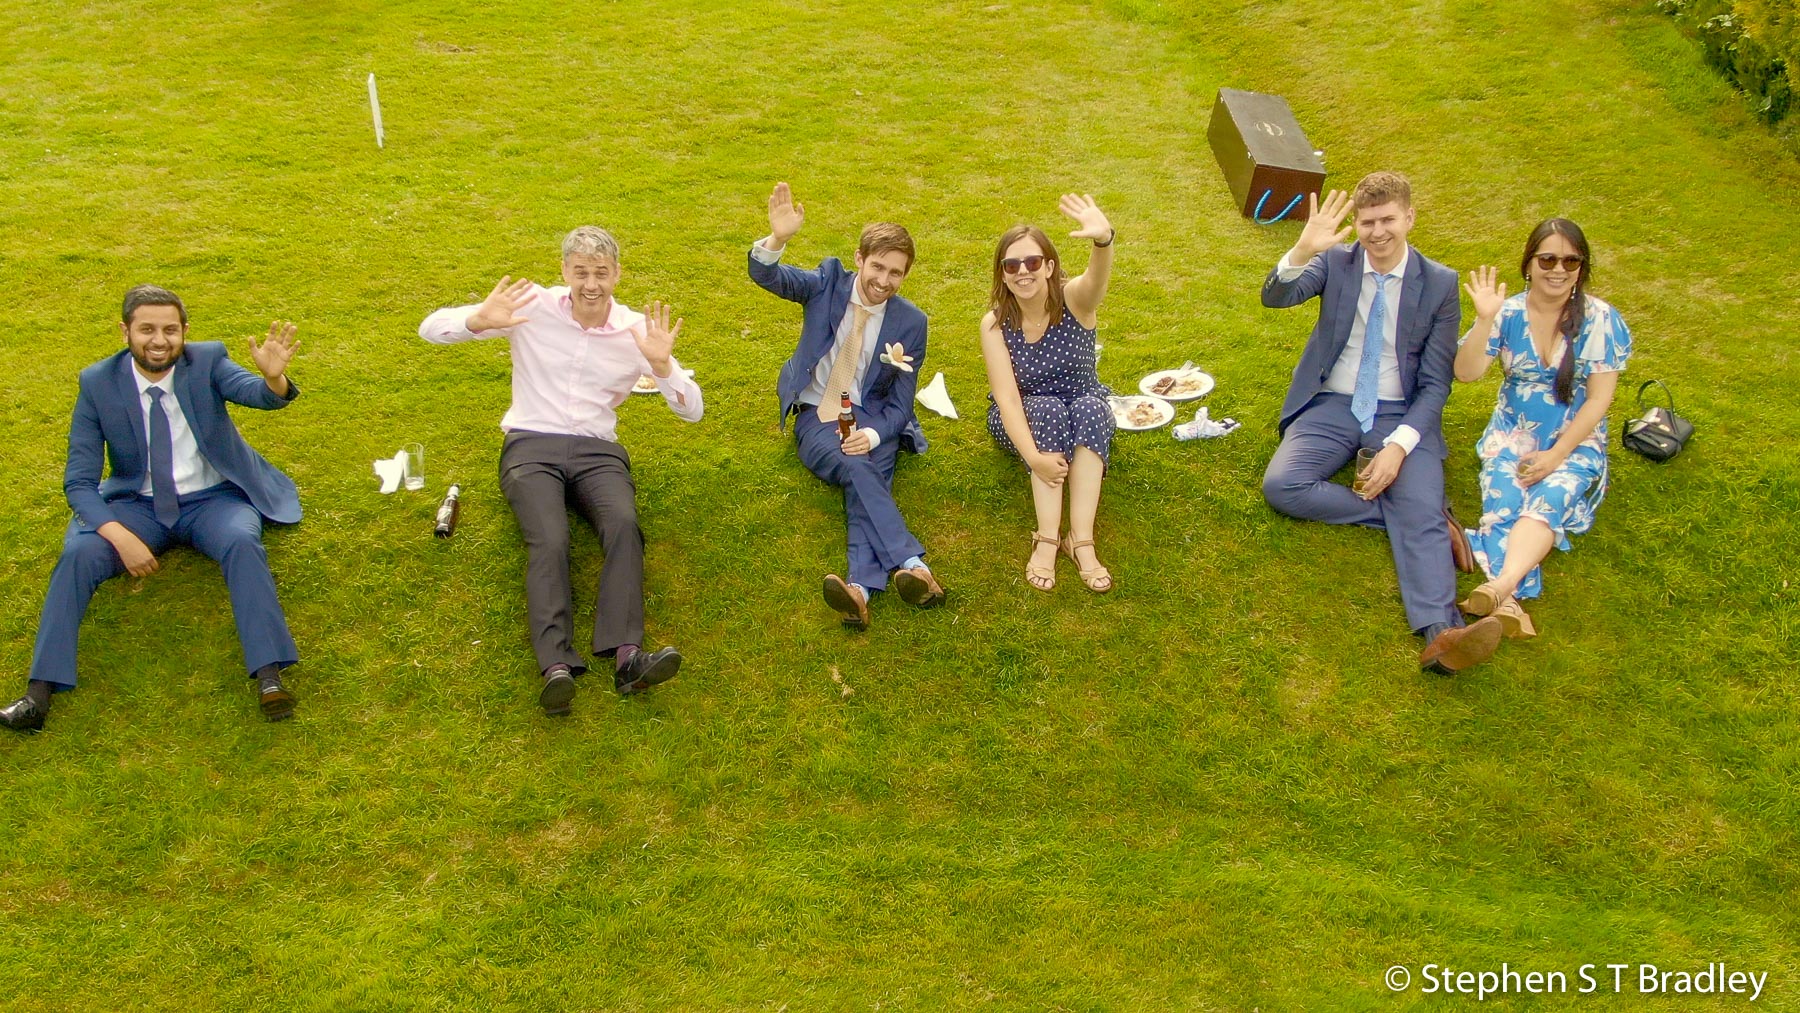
point(1223, 786)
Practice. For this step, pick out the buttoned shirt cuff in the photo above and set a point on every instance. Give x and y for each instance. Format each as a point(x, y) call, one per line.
point(1405, 437)
point(874, 437)
point(1285, 271)
point(763, 254)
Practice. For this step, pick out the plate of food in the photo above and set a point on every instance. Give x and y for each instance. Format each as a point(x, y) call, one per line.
point(1138, 412)
point(646, 384)
point(1183, 384)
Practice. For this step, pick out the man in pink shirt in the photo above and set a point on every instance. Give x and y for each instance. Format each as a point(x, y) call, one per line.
point(576, 354)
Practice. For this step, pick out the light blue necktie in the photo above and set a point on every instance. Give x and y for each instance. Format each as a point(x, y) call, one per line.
point(162, 463)
point(1368, 368)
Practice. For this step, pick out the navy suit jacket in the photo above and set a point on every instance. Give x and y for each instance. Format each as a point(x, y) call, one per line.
point(108, 419)
point(887, 393)
point(1430, 317)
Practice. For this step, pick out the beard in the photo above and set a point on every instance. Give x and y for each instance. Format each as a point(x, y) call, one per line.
point(147, 365)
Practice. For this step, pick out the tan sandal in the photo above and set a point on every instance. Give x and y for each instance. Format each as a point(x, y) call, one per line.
point(1482, 601)
point(1097, 577)
point(1042, 579)
point(1514, 623)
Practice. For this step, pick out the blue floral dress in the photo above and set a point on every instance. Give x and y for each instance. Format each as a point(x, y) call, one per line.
point(1528, 418)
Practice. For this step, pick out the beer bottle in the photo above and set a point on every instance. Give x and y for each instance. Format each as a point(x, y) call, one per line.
point(846, 419)
point(448, 513)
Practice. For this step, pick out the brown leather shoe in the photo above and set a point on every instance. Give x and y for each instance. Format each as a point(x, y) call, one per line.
point(1461, 552)
point(847, 601)
point(1456, 649)
point(918, 587)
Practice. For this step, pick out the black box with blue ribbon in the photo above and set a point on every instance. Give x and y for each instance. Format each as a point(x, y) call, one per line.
point(1267, 160)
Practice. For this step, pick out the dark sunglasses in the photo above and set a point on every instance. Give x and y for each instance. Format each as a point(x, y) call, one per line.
point(1547, 261)
point(1011, 265)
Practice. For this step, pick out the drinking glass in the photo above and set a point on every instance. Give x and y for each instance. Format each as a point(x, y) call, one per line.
point(415, 466)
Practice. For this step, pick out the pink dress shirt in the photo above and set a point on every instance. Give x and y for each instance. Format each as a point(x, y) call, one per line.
point(566, 378)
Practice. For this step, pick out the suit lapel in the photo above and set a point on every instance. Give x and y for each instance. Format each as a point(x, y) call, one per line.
point(1345, 306)
point(129, 400)
point(1412, 295)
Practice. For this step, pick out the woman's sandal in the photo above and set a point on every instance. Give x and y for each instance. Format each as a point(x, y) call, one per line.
point(1482, 601)
point(1514, 623)
point(1044, 579)
point(1097, 577)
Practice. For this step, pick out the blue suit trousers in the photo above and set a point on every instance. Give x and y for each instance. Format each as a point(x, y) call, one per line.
point(879, 541)
point(219, 522)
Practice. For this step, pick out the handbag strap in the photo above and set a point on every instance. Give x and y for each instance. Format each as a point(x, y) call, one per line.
point(1666, 393)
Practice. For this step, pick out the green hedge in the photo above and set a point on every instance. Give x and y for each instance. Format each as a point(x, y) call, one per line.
point(1755, 43)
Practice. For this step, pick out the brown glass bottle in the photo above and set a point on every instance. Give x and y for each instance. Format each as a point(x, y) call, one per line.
point(449, 512)
point(846, 419)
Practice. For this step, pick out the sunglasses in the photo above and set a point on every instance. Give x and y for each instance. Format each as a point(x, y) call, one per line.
point(1548, 261)
point(1011, 265)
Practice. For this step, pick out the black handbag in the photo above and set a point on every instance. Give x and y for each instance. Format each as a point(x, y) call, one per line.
point(1659, 433)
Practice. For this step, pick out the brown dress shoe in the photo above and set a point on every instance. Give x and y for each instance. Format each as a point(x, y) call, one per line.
point(847, 601)
point(918, 587)
point(1461, 552)
point(1456, 649)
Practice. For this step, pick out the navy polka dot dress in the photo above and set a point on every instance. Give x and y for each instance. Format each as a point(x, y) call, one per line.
point(1065, 403)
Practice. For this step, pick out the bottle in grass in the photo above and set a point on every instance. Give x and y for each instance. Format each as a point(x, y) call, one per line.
point(448, 513)
point(846, 419)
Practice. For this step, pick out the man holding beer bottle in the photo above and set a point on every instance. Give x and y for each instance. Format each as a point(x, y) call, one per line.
point(860, 346)
point(576, 353)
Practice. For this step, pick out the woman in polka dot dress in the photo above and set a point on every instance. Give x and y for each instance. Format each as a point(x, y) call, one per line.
point(1047, 404)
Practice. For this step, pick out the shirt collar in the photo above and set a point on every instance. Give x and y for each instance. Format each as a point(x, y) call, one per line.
point(565, 303)
point(1399, 270)
point(875, 312)
point(167, 383)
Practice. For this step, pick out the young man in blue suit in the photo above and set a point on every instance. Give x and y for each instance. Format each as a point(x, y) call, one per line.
point(1375, 374)
point(181, 474)
point(858, 337)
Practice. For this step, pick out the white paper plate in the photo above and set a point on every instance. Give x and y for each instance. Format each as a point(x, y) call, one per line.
point(646, 384)
point(1122, 406)
point(1203, 379)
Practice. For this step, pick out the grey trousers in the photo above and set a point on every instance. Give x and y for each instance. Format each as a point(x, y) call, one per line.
point(1323, 438)
point(543, 475)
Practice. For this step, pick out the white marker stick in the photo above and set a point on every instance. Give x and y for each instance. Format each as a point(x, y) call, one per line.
point(375, 109)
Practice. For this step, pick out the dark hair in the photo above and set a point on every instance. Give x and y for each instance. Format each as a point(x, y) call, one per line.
point(1574, 313)
point(884, 236)
point(1001, 300)
point(151, 295)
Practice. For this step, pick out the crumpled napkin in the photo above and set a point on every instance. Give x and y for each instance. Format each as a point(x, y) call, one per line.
point(391, 471)
point(1203, 427)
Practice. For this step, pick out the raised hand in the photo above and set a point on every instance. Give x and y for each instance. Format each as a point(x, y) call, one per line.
point(274, 353)
point(498, 311)
point(1483, 292)
point(785, 216)
point(1082, 208)
point(656, 339)
point(1325, 226)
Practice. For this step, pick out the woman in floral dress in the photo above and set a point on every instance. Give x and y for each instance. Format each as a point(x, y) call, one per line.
point(1543, 455)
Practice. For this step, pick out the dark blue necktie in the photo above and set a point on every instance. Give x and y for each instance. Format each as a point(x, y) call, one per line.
point(1368, 368)
point(162, 463)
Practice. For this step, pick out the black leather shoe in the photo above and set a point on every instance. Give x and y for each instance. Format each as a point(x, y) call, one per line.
point(22, 715)
point(646, 669)
point(558, 691)
point(277, 702)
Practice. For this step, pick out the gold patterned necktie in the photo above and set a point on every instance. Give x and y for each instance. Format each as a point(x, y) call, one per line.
point(843, 368)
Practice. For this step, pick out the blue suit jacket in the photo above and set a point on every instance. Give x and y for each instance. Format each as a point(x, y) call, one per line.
point(887, 393)
point(1430, 317)
point(108, 419)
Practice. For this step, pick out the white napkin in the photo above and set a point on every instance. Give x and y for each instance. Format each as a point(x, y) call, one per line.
point(1203, 427)
point(391, 470)
point(936, 398)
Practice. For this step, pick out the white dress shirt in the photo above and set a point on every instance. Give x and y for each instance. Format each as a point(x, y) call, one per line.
point(1342, 378)
point(192, 472)
point(568, 379)
point(815, 392)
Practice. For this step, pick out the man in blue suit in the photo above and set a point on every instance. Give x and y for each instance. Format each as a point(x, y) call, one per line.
point(860, 339)
point(181, 474)
point(1374, 376)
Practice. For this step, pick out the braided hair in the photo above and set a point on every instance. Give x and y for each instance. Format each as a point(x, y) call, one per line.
point(1574, 313)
